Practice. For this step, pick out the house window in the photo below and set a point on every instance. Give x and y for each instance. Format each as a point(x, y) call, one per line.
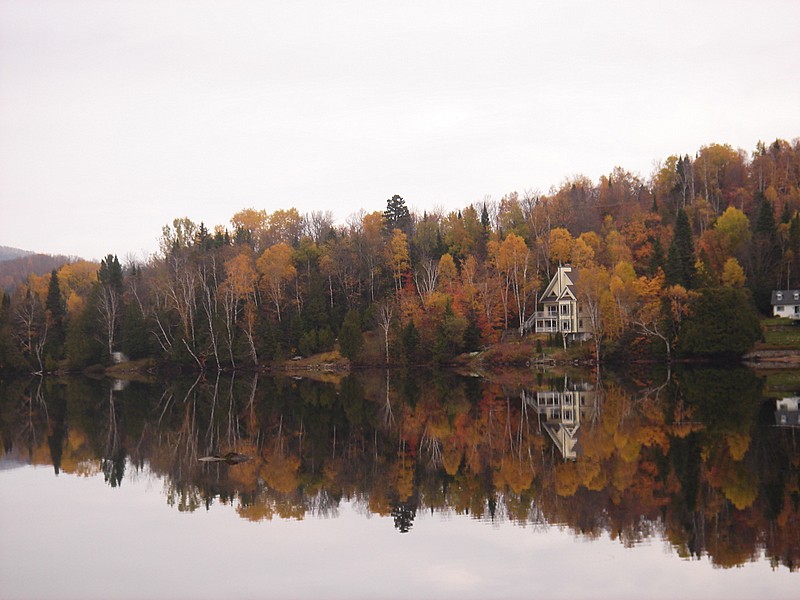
point(565, 325)
point(779, 308)
point(565, 309)
point(580, 323)
point(779, 295)
point(797, 295)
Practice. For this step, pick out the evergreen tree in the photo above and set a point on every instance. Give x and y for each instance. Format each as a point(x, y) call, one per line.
point(110, 272)
point(765, 256)
point(472, 334)
point(723, 322)
point(82, 346)
point(11, 358)
point(134, 333)
point(656, 258)
point(485, 217)
point(409, 340)
point(351, 339)
point(109, 293)
point(396, 215)
point(679, 268)
point(483, 236)
point(56, 313)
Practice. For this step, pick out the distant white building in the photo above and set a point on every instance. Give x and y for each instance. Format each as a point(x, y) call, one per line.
point(787, 413)
point(786, 303)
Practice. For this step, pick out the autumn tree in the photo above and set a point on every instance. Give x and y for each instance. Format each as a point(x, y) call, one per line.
point(239, 296)
point(276, 269)
point(181, 234)
point(249, 226)
point(592, 291)
point(398, 257)
point(649, 317)
point(513, 259)
point(283, 226)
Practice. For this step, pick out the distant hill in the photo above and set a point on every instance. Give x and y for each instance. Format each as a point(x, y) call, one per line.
point(8, 253)
point(16, 270)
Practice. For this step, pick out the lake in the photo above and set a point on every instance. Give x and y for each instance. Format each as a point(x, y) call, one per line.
point(401, 485)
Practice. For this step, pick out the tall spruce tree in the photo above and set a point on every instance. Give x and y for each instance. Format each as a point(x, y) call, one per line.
point(765, 256)
point(679, 268)
point(110, 272)
point(396, 215)
point(56, 313)
point(351, 339)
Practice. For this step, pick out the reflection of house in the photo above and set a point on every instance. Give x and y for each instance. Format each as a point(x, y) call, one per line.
point(561, 414)
point(786, 303)
point(561, 312)
point(787, 413)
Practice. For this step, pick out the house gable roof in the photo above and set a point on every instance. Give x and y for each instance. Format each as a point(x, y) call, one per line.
point(785, 297)
point(561, 286)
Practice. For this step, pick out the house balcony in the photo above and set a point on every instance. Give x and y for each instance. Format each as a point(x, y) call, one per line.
point(547, 322)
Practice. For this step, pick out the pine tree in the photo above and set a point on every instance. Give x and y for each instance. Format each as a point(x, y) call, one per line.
point(723, 323)
point(351, 338)
point(656, 258)
point(679, 268)
point(396, 215)
point(110, 272)
point(765, 256)
point(56, 313)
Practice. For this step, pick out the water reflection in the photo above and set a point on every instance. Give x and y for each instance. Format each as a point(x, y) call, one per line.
point(561, 412)
point(692, 459)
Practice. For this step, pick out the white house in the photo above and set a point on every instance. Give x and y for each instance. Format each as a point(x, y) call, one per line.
point(787, 413)
point(561, 312)
point(786, 303)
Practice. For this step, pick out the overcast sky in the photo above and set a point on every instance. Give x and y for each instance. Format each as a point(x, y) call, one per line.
point(118, 116)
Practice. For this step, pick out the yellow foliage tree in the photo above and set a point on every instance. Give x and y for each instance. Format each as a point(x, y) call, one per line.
point(732, 274)
point(276, 268)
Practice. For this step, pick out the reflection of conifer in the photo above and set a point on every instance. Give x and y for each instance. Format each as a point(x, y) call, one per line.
point(56, 409)
point(403, 515)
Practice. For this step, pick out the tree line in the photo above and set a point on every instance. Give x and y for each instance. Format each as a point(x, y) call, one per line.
point(674, 263)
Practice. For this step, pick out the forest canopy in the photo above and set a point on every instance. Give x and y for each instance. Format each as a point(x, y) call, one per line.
point(722, 224)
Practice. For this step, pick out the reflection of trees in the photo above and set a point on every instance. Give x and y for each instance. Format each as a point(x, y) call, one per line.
point(113, 461)
point(403, 515)
point(685, 459)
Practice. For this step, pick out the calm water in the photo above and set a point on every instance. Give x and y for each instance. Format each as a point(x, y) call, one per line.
point(399, 486)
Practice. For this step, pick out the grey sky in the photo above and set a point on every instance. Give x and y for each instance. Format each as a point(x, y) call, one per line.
point(116, 117)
